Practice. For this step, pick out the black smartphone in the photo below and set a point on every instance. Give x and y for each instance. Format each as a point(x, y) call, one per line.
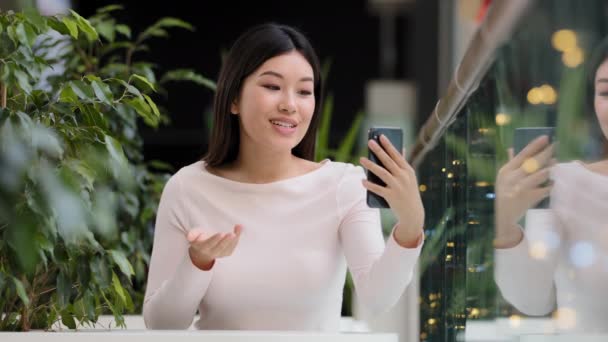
point(395, 136)
point(522, 137)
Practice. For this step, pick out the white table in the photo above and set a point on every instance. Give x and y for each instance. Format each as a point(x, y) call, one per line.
point(193, 336)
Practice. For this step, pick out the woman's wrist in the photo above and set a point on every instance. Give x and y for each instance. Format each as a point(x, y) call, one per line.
point(200, 263)
point(408, 237)
point(507, 236)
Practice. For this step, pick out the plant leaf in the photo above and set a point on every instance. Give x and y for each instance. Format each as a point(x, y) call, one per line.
point(118, 288)
point(143, 109)
point(68, 95)
point(174, 22)
point(144, 80)
point(123, 263)
point(348, 143)
point(35, 19)
point(124, 29)
point(107, 30)
point(130, 88)
point(85, 26)
point(152, 105)
point(71, 25)
point(83, 90)
point(23, 81)
point(100, 271)
point(323, 135)
point(103, 92)
point(110, 8)
point(20, 289)
point(188, 75)
point(115, 150)
point(68, 319)
point(64, 289)
point(26, 38)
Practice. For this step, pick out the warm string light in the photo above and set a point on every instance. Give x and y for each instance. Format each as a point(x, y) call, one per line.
point(503, 119)
point(566, 42)
point(545, 94)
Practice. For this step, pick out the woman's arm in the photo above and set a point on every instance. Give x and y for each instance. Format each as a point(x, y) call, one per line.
point(380, 273)
point(175, 285)
point(525, 272)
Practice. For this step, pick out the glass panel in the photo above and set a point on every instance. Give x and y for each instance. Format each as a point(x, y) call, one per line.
point(484, 277)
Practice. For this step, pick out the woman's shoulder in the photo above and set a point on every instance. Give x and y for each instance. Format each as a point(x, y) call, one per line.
point(186, 174)
point(577, 168)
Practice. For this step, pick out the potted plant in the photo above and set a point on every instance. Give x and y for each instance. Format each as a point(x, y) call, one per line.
point(77, 200)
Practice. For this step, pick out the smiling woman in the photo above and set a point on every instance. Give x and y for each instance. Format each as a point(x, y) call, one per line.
point(259, 236)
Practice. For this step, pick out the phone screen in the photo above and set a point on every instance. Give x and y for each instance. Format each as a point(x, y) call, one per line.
point(395, 136)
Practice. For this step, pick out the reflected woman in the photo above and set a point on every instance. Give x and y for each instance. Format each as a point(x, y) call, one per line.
point(560, 260)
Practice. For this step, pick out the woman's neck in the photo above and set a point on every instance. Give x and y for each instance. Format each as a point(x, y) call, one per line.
point(264, 167)
point(600, 167)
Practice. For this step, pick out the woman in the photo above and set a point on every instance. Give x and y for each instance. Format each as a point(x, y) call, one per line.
point(561, 259)
point(257, 235)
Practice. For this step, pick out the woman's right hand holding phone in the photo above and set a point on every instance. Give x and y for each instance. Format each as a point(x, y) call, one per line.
point(205, 248)
point(520, 185)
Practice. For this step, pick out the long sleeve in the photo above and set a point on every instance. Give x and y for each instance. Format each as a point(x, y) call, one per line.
point(380, 273)
point(175, 286)
point(525, 273)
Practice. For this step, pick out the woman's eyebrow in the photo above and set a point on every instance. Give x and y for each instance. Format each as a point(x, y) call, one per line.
point(602, 80)
point(276, 74)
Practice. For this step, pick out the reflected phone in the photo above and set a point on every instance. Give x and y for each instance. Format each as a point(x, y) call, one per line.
point(522, 137)
point(395, 136)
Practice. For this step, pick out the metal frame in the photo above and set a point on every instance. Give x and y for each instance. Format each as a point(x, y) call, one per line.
point(496, 29)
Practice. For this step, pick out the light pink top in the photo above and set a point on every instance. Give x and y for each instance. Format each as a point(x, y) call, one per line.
point(563, 259)
point(288, 271)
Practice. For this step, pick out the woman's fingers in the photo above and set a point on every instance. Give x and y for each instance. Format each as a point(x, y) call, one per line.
point(218, 244)
point(536, 179)
point(222, 244)
point(238, 229)
point(539, 194)
point(229, 248)
point(194, 234)
point(392, 151)
point(208, 244)
point(382, 156)
point(378, 170)
point(375, 188)
point(533, 148)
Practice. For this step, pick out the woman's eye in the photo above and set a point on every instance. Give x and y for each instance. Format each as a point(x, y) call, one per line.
point(271, 86)
point(305, 92)
point(603, 93)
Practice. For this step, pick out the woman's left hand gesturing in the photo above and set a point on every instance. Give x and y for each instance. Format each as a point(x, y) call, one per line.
point(401, 190)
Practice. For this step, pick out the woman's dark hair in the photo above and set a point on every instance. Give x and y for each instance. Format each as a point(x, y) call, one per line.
point(598, 56)
point(249, 52)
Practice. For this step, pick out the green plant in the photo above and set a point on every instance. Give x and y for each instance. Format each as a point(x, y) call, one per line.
point(76, 198)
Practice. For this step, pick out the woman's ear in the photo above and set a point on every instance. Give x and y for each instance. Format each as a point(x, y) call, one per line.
point(234, 108)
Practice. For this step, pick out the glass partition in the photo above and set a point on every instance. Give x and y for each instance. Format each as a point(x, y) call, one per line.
point(500, 261)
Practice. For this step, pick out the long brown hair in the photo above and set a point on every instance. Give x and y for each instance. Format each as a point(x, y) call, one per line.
point(249, 52)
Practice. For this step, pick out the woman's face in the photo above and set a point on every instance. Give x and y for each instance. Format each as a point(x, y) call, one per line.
point(601, 96)
point(276, 103)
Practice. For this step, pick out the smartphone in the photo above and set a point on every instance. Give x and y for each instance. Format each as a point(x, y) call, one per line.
point(395, 136)
point(522, 137)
